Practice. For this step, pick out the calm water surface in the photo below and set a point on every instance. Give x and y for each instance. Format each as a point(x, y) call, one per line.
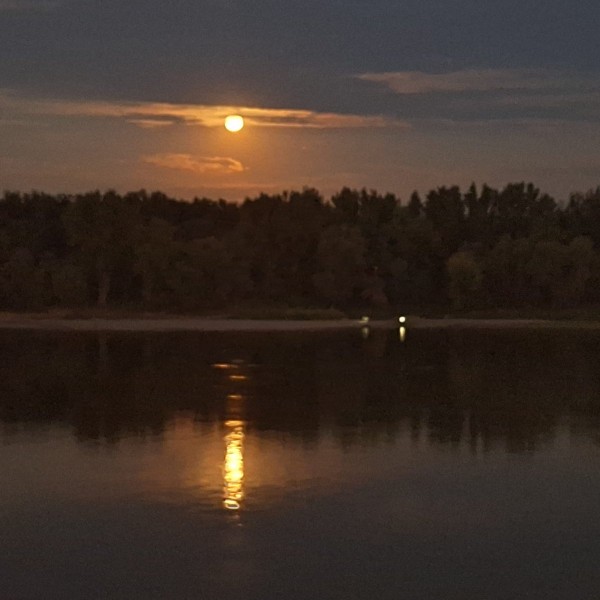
point(430, 465)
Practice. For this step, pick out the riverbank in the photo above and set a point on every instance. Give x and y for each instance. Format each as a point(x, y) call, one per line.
point(177, 323)
point(165, 323)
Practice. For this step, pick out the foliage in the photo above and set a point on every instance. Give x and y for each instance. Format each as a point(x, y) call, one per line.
point(340, 264)
point(464, 279)
point(484, 248)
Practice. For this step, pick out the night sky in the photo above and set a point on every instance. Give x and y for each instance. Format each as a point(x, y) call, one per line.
point(395, 95)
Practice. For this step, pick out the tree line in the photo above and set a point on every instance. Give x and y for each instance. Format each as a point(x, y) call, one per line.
point(480, 248)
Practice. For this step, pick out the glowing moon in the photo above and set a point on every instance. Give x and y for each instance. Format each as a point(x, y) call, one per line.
point(234, 123)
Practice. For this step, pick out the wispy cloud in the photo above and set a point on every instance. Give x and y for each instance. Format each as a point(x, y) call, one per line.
point(151, 123)
point(28, 5)
point(530, 126)
point(315, 120)
point(479, 80)
point(202, 165)
point(496, 94)
point(153, 114)
point(551, 99)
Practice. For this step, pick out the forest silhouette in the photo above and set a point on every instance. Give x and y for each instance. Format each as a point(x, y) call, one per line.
point(476, 249)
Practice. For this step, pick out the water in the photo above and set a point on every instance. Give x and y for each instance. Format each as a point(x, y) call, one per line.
point(301, 466)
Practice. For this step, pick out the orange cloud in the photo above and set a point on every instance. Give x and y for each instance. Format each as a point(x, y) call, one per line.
point(155, 114)
point(202, 165)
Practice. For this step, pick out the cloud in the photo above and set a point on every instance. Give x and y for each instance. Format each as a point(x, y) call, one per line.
point(150, 123)
point(495, 94)
point(202, 165)
point(551, 100)
point(154, 114)
point(266, 117)
point(512, 125)
point(28, 5)
point(478, 80)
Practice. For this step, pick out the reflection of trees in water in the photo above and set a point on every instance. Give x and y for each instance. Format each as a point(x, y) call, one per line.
point(519, 388)
point(107, 386)
point(482, 388)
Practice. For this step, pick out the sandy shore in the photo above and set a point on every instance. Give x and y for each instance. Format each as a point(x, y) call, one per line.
point(177, 323)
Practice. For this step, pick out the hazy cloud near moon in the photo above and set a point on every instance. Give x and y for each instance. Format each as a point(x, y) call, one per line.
point(154, 114)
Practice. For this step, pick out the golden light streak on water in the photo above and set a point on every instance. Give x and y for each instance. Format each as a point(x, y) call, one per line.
point(238, 377)
point(233, 467)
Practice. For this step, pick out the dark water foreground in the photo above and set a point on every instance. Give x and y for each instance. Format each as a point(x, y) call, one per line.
point(445, 465)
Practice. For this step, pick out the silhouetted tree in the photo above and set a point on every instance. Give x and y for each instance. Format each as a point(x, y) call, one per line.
point(484, 247)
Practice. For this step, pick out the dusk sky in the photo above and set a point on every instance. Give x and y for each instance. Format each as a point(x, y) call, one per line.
point(394, 95)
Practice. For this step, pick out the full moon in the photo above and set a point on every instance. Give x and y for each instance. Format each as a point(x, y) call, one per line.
point(234, 123)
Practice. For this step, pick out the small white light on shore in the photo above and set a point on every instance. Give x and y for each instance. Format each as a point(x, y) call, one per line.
point(364, 319)
point(402, 319)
